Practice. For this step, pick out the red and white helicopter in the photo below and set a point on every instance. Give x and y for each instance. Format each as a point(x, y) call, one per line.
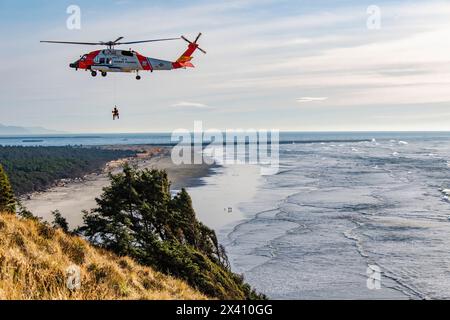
point(113, 60)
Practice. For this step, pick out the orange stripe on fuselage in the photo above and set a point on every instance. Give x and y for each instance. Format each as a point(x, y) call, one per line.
point(143, 61)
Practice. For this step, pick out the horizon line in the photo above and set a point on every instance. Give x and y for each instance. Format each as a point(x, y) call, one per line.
point(220, 130)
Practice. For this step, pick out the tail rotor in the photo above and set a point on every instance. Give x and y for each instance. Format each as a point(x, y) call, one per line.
point(195, 42)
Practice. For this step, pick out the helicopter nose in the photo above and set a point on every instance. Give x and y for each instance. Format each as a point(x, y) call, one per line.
point(74, 65)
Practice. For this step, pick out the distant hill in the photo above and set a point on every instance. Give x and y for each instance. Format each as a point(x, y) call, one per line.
point(16, 130)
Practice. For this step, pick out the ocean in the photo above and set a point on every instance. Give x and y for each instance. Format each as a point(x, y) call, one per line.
point(165, 138)
point(340, 203)
point(336, 208)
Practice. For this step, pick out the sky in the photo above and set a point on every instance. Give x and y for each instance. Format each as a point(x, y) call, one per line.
point(290, 65)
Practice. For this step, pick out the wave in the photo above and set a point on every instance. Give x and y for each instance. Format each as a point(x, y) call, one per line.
point(332, 210)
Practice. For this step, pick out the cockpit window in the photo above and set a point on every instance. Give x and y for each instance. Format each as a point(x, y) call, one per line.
point(127, 53)
point(83, 58)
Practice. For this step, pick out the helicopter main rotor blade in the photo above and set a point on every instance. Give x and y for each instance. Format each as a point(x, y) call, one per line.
point(143, 41)
point(118, 39)
point(109, 43)
point(69, 42)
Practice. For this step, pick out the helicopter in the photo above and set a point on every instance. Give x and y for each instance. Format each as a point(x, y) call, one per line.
point(115, 60)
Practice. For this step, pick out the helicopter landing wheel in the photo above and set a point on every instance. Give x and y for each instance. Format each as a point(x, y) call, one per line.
point(104, 74)
point(94, 73)
point(138, 77)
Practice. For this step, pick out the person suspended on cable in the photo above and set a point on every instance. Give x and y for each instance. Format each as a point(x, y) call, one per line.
point(115, 113)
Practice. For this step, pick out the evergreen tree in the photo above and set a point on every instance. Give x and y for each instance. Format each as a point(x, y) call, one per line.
point(7, 200)
point(136, 216)
point(186, 224)
point(23, 212)
point(60, 222)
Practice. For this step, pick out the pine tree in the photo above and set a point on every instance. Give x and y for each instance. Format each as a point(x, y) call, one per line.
point(7, 200)
point(136, 216)
point(59, 222)
point(186, 224)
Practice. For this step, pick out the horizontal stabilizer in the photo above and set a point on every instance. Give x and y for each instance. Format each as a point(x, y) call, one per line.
point(184, 59)
point(187, 64)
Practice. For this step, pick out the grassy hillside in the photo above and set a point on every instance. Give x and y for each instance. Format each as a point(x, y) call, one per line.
point(34, 258)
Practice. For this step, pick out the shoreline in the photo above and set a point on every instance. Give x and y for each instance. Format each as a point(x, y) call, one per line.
point(108, 167)
point(72, 197)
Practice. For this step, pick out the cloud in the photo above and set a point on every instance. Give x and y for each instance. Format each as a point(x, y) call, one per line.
point(311, 99)
point(187, 104)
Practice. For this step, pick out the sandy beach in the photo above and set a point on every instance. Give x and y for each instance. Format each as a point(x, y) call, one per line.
point(218, 202)
point(72, 198)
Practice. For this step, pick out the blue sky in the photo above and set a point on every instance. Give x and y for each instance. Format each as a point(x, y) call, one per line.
point(288, 65)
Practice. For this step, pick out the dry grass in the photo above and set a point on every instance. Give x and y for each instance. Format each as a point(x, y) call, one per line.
point(34, 259)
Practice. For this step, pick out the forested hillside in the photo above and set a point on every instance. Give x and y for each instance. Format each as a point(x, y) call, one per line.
point(36, 168)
